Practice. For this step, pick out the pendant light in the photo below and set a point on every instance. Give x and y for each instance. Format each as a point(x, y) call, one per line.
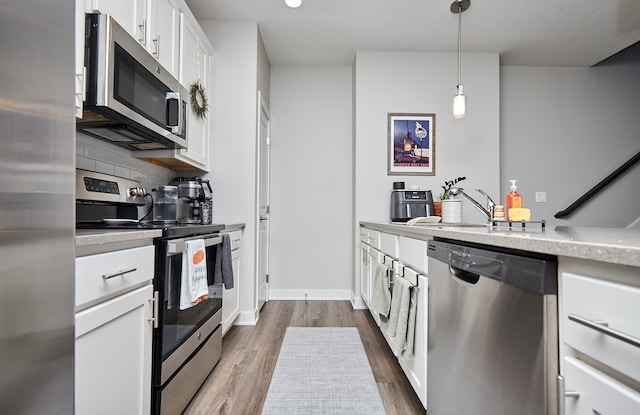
point(293, 3)
point(459, 99)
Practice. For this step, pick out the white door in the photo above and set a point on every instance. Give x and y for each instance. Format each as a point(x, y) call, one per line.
point(264, 138)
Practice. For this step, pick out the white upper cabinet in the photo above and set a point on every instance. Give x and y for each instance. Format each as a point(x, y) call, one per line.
point(130, 14)
point(164, 30)
point(154, 23)
point(195, 64)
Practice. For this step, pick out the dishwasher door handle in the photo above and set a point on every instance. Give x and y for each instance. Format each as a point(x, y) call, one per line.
point(466, 276)
point(602, 328)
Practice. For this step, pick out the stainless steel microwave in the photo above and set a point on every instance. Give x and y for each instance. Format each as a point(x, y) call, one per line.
point(130, 99)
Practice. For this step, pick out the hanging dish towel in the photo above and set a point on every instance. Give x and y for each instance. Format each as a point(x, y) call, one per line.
point(223, 271)
point(193, 287)
point(411, 323)
point(381, 296)
point(399, 316)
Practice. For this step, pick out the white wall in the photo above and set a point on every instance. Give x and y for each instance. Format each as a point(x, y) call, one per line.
point(565, 129)
point(233, 139)
point(388, 82)
point(310, 182)
point(425, 83)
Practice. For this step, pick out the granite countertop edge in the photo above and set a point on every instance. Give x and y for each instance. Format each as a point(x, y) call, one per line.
point(616, 246)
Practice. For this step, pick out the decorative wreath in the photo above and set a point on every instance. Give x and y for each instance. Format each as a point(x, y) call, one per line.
point(199, 104)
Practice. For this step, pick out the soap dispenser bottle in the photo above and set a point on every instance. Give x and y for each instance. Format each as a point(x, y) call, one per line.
point(514, 200)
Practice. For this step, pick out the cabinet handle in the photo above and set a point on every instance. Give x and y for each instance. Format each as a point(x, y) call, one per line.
point(155, 302)
point(156, 43)
point(563, 394)
point(117, 274)
point(601, 326)
point(143, 29)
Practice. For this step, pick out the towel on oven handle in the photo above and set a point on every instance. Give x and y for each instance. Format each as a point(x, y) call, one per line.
point(193, 285)
point(223, 271)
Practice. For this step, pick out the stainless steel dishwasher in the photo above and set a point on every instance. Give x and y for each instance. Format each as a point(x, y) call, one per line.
point(493, 337)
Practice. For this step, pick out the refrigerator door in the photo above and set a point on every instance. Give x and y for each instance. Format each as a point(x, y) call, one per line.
point(37, 157)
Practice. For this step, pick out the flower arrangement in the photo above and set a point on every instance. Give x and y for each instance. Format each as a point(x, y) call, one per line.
point(448, 185)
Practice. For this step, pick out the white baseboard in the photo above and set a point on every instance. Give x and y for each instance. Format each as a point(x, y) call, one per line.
point(309, 295)
point(246, 318)
point(358, 303)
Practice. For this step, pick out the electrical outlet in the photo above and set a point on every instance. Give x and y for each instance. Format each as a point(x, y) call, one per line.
point(541, 197)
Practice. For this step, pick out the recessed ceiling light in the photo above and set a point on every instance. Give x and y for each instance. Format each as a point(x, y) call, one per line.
point(293, 3)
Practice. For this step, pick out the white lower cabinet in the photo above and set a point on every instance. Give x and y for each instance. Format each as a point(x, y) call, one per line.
point(365, 271)
point(598, 394)
point(231, 298)
point(113, 356)
point(408, 257)
point(415, 365)
point(113, 332)
point(600, 338)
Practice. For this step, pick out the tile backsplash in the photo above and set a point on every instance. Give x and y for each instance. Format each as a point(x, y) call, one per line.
point(100, 156)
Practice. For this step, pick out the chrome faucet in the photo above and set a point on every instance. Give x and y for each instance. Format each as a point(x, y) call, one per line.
point(488, 211)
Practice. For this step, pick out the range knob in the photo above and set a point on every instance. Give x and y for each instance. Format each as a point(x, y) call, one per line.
point(137, 191)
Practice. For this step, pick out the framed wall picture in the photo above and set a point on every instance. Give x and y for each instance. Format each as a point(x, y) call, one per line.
point(412, 141)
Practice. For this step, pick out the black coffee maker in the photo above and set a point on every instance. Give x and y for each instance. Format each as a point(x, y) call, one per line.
point(194, 204)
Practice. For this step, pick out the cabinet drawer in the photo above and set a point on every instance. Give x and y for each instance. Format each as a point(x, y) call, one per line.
point(615, 305)
point(599, 394)
point(364, 235)
point(92, 274)
point(413, 252)
point(389, 244)
point(373, 239)
point(235, 238)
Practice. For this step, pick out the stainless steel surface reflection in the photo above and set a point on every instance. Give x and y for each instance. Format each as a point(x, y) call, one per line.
point(37, 152)
point(492, 333)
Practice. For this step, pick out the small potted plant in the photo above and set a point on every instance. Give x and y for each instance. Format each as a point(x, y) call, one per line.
point(437, 205)
point(448, 185)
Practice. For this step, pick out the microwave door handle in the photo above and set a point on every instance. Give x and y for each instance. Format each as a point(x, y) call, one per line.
point(174, 108)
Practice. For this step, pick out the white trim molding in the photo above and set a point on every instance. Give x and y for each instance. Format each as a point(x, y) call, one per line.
point(309, 294)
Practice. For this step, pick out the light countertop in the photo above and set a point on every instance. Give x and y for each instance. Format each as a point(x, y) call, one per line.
point(617, 246)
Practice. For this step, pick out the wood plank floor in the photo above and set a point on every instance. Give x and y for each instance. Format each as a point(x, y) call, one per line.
point(238, 384)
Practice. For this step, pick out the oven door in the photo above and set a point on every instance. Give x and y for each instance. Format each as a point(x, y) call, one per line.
point(180, 333)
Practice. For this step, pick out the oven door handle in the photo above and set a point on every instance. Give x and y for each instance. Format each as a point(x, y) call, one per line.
point(178, 246)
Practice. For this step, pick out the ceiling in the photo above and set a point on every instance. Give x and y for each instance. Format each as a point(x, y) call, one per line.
point(524, 33)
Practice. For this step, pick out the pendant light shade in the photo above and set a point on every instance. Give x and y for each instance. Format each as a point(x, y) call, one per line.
point(293, 3)
point(459, 103)
point(459, 99)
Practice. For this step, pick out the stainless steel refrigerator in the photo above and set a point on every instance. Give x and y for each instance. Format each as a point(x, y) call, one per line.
point(37, 157)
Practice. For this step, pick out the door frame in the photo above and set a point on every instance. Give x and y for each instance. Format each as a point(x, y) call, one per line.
point(262, 109)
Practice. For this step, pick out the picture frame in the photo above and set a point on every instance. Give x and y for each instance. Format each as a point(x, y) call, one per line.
point(411, 144)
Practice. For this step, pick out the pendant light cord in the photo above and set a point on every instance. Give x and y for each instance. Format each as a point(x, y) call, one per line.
point(459, 40)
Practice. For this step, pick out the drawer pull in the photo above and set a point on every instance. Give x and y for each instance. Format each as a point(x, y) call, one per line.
point(601, 326)
point(563, 394)
point(119, 273)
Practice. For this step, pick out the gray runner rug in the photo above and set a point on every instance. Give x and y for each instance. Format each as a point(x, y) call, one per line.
point(322, 370)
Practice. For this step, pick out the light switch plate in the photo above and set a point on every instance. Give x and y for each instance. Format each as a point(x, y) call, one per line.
point(541, 197)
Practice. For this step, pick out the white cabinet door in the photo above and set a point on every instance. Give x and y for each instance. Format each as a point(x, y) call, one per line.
point(164, 32)
point(113, 355)
point(365, 280)
point(598, 393)
point(415, 365)
point(194, 67)
point(79, 70)
point(231, 298)
point(130, 14)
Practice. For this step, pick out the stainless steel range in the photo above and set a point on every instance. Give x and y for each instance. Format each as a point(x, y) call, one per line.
point(187, 343)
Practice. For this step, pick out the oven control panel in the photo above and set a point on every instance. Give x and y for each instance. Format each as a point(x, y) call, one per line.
point(98, 187)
